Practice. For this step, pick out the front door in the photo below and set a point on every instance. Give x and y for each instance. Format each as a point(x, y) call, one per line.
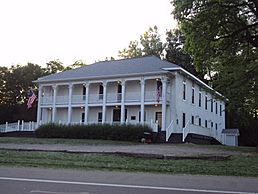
point(116, 115)
point(158, 118)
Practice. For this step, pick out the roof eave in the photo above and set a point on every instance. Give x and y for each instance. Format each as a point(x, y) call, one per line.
point(195, 78)
point(99, 77)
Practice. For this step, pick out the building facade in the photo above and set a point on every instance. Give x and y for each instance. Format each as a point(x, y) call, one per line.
point(145, 90)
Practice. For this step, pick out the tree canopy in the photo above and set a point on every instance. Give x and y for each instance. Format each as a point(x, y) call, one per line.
point(149, 44)
point(222, 38)
point(15, 83)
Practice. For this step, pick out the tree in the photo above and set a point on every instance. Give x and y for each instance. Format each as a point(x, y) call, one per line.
point(76, 64)
point(54, 66)
point(149, 44)
point(15, 82)
point(222, 37)
point(176, 54)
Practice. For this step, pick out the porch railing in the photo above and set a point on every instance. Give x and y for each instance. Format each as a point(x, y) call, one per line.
point(169, 130)
point(18, 126)
point(196, 129)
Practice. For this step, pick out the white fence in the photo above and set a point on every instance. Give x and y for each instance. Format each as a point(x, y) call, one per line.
point(18, 126)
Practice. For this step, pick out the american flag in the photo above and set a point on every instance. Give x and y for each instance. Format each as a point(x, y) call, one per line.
point(31, 99)
point(159, 93)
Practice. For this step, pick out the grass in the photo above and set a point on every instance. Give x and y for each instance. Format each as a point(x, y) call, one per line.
point(30, 140)
point(242, 149)
point(238, 165)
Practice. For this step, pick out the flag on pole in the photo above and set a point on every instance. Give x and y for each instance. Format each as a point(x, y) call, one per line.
point(31, 98)
point(159, 92)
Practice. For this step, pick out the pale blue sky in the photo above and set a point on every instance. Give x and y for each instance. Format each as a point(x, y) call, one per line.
point(42, 30)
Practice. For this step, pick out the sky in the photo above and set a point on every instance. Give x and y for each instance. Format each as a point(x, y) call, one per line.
point(38, 31)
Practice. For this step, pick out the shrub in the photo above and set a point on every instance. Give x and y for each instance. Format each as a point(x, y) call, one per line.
point(93, 131)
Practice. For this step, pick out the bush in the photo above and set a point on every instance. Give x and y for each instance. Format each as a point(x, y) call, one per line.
point(93, 131)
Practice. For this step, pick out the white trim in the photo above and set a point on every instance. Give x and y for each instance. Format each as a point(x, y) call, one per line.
point(97, 77)
point(194, 77)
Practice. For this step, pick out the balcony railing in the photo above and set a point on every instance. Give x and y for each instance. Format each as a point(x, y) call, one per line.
point(114, 97)
point(46, 100)
point(62, 100)
point(95, 98)
point(150, 96)
point(78, 99)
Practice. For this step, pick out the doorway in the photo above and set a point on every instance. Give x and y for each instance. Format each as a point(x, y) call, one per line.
point(158, 118)
point(117, 115)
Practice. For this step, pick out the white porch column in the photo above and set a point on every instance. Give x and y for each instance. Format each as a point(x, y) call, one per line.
point(70, 103)
point(104, 102)
point(164, 102)
point(54, 103)
point(86, 108)
point(122, 121)
point(39, 106)
point(142, 100)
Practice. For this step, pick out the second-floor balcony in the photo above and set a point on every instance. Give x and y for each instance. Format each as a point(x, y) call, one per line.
point(133, 97)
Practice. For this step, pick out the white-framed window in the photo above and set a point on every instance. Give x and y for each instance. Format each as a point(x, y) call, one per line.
point(192, 119)
point(200, 122)
point(193, 95)
point(101, 88)
point(99, 117)
point(216, 108)
point(200, 99)
point(184, 90)
point(220, 109)
point(211, 105)
point(206, 102)
point(183, 120)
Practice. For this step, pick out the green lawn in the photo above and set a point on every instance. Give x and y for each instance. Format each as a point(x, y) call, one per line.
point(238, 165)
point(29, 140)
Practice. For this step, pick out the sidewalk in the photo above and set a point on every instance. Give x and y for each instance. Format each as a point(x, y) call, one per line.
point(162, 150)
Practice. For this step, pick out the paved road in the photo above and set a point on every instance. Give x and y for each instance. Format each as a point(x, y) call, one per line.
point(163, 149)
point(59, 181)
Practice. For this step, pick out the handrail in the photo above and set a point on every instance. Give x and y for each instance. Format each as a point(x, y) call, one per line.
point(185, 133)
point(169, 130)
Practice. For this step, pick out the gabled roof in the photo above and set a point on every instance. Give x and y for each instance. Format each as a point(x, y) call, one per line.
point(124, 67)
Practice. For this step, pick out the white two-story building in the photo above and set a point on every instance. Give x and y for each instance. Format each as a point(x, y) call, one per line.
point(145, 90)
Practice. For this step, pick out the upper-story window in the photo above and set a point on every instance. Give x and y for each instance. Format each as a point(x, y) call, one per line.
point(84, 92)
point(192, 95)
point(184, 90)
point(200, 99)
point(216, 108)
point(200, 122)
point(119, 92)
point(119, 88)
point(206, 102)
point(220, 110)
point(206, 123)
point(211, 105)
point(100, 92)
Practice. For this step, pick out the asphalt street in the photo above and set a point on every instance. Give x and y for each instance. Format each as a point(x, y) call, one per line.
point(63, 181)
